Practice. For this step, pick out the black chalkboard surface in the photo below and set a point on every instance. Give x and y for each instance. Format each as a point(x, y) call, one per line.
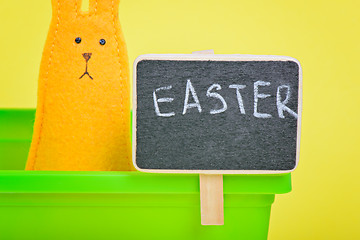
point(216, 113)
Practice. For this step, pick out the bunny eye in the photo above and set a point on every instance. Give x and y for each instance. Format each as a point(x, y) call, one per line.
point(102, 41)
point(78, 40)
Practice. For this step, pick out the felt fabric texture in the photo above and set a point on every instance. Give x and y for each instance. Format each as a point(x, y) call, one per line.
point(83, 124)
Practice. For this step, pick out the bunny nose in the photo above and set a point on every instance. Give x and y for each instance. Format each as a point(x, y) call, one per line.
point(87, 56)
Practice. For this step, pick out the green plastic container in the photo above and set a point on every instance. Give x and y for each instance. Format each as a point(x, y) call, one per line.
point(119, 205)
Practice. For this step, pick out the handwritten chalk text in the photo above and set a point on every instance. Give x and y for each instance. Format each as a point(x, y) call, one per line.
point(259, 87)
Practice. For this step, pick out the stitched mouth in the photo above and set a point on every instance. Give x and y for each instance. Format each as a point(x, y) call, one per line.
point(86, 73)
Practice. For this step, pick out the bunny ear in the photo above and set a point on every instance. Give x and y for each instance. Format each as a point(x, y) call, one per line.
point(65, 8)
point(105, 6)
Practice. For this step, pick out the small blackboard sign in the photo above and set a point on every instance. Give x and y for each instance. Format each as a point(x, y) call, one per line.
point(198, 113)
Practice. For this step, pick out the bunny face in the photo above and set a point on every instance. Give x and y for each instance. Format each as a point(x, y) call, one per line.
point(87, 43)
point(83, 113)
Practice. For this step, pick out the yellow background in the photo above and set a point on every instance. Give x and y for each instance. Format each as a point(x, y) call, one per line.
point(323, 35)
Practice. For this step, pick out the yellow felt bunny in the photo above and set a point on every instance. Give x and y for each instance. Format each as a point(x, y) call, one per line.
point(83, 113)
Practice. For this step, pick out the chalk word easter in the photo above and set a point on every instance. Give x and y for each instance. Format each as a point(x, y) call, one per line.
point(213, 92)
